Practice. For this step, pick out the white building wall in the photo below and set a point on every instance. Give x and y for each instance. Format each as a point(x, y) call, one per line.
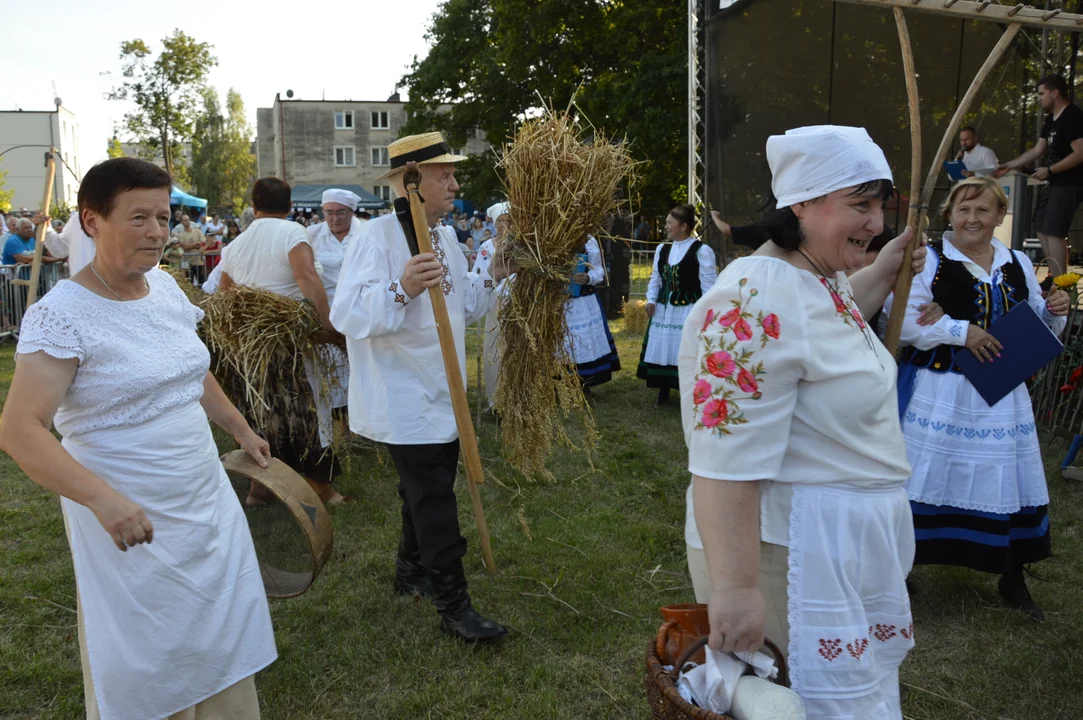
point(25, 166)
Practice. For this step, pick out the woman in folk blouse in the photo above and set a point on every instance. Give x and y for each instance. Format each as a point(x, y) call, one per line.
point(790, 415)
point(978, 489)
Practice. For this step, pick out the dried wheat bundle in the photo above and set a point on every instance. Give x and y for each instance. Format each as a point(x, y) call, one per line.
point(260, 341)
point(560, 187)
point(635, 317)
point(195, 295)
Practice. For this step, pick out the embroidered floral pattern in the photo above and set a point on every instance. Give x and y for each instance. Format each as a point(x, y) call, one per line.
point(400, 298)
point(830, 649)
point(908, 633)
point(845, 306)
point(857, 647)
point(394, 287)
point(883, 633)
point(438, 251)
point(970, 433)
point(488, 284)
point(727, 375)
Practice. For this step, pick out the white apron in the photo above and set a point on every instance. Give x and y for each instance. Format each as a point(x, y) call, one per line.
point(171, 623)
point(849, 612)
point(586, 340)
point(664, 334)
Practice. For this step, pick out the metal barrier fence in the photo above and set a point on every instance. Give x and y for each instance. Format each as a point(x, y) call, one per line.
point(13, 297)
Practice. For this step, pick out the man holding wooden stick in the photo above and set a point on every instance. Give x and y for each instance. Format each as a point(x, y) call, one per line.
point(383, 308)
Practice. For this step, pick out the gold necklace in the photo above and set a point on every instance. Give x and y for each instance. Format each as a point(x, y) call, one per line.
point(103, 282)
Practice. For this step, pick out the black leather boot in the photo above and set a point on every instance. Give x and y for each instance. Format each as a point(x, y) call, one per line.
point(457, 615)
point(411, 579)
point(1013, 590)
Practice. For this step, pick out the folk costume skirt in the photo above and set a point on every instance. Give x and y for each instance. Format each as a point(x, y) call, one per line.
point(589, 343)
point(171, 623)
point(978, 486)
point(662, 345)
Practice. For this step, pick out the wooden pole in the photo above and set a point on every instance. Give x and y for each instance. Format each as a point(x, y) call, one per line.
point(914, 215)
point(468, 440)
point(905, 279)
point(39, 246)
point(985, 11)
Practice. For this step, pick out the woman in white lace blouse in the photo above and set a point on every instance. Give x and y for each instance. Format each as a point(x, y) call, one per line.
point(172, 613)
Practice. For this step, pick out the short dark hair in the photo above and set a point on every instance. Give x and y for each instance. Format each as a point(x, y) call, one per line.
point(969, 129)
point(1054, 83)
point(685, 214)
point(105, 181)
point(784, 229)
point(271, 195)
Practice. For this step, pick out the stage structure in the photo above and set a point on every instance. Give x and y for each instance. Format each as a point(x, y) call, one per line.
point(805, 62)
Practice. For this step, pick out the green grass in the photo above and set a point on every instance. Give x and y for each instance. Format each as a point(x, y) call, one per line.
point(584, 564)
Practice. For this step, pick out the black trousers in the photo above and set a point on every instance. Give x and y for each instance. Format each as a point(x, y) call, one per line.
point(427, 489)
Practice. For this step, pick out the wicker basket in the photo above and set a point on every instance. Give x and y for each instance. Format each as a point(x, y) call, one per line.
point(662, 696)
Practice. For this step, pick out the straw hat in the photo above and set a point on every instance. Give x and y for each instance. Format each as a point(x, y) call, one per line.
point(424, 149)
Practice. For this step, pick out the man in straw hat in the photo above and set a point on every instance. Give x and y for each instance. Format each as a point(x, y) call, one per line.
point(383, 310)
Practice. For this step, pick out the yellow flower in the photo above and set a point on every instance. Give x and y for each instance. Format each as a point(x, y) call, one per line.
point(1066, 280)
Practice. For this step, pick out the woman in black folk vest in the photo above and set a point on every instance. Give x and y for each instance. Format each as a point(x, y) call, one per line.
point(978, 490)
point(684, 269)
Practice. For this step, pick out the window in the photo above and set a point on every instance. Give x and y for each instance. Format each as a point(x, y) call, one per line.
point(343, 119)
point(380, 121)
point(380, 158)
point(382, 191)
point(344, 156)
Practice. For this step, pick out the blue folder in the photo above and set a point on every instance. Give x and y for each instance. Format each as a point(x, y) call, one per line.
point(955, 169)
point(1029, 345)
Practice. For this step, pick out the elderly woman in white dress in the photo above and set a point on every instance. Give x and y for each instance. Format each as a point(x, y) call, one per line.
point(173, 619)
point(978, 489)
point(798, 524)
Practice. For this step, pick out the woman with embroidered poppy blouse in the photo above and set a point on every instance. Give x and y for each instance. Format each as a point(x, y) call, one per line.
point(978, 489)
point(798, 524)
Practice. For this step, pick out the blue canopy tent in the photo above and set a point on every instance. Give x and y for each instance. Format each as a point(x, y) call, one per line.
point(310, 197)
point(179, 197)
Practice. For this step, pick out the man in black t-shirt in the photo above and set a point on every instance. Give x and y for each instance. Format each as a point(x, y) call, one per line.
point(1060, 156)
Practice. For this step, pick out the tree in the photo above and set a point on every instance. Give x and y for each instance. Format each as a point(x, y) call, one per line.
point(113, 150)
point(624, 62)
point(223, 166)
point(166, 92)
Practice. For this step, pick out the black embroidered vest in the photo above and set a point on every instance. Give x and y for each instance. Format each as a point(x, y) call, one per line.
point(964, 297)
point(680, 282)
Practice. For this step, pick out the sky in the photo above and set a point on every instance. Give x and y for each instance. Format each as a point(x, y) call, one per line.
point(338, 50)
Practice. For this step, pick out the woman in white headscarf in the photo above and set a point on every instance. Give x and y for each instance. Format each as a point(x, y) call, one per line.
point(798, 524)
point(501, 215)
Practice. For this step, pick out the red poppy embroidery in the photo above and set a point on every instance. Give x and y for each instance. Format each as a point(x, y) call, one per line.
point(728, 373)
point(845, 306)
point(771, 326)
point(715, 412)
point(747, 381)
point(857, 647)
point(702, 392)
point(707, 322)
point(731, 317)
point(883, 633)
point(830, 649)
point(721, 364)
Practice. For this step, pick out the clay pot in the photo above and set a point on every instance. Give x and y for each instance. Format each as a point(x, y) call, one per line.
point(685, 623)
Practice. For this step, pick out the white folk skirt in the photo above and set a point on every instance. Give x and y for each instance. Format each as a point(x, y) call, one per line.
point(175, 622)
point(849, 612)
point(663, 344)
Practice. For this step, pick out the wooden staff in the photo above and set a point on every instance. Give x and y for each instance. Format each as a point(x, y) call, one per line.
point(917, 215)
point(468, 440)
point(39, 246)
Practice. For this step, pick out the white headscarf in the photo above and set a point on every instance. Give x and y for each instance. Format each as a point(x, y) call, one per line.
point(495, 211)
point(810, 162)
point(342, 197)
